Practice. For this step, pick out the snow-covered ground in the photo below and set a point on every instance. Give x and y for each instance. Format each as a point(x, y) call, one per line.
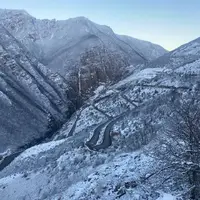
point(80, 174)
point(35, 150)
point(166, 196)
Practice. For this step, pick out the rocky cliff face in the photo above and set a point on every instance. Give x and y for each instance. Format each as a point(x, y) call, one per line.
point(97, 66)
point(31, 96)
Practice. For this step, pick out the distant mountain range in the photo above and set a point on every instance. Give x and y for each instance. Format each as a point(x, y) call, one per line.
point(58, 43)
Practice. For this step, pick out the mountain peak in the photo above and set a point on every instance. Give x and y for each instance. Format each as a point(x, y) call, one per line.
point(14, 12)
point(79, 18)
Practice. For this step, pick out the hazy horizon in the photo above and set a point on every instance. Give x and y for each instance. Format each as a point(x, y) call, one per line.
point(167, 23)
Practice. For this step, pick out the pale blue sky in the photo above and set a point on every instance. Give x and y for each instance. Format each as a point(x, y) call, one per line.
point(169, 23)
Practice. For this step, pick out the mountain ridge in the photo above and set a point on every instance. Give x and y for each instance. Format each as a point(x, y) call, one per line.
point(46, 37)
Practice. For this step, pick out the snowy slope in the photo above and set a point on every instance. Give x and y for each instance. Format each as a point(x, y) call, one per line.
point(149, 50)
point(186, 54)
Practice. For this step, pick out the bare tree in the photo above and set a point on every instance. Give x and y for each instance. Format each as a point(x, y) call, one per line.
point(179, 146)
point(96, 65)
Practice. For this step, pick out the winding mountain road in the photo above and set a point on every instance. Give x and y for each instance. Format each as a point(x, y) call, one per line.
point(71, 132)
point(163, 87)
point(101, 111)
point(107, 139)
point(95, 137)
point(128, 100)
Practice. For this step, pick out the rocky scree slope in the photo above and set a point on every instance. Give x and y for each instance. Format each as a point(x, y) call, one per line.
point(104, 150)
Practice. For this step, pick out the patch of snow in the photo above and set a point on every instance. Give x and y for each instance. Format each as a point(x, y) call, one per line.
point(5, 98)
point(18, 187)
point(33, 151)
point(166, 196)
point(97, 92)
point(9, 179)
point(5, 153)
point(147, 73)
point(99, 89)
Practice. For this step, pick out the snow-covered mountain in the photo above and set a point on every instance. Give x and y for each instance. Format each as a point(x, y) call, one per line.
point(106, 149)
point(59, 43)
